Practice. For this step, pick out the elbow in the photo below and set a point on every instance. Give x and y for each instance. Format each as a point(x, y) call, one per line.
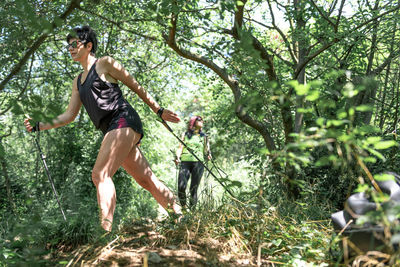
point(67, 119)
point(71, 118)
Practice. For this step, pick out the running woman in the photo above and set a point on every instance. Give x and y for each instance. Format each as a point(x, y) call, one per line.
point(98, 90)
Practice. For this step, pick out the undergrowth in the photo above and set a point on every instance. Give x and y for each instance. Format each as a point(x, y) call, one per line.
point(247, 230)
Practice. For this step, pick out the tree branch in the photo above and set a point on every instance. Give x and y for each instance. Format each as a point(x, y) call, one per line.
point(5, 135)
point(287, 62)
point(332, 6)
point(322, 14)
point(23, 89)
point(73, 5)
point(387, 61)
point(238, 21)
point(118, 24)
point(294, 59)
point(337, 39)
point(340, 15)
point(229, 80)
point(198, 10)
point(257, 45)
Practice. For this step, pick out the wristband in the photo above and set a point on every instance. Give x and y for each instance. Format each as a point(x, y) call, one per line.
point(160, 112)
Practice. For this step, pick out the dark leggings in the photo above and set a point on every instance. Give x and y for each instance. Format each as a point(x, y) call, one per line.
point(187, 169)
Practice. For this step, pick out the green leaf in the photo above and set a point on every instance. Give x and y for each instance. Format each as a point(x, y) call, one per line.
point(373, 139)
point(335, 122)
point(277, 242)
point(236, 184)
point(327, 103)
point(263, 151)
point(367, 129)
point(361, 188)
point(17, 109)
point(344, 138)
point(375, 153)
point(342, 115)
point(385, 144)
point(312, 129)
point(364, 108)
point(302, 89)
point(369, 160)
point(313, 95)
point(305, 110)
point(320, 121)
point(384, 177)
point(349, 90)
point(293, 83)
point(323, 161)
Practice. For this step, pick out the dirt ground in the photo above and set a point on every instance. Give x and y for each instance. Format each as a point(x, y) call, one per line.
point(144, 246)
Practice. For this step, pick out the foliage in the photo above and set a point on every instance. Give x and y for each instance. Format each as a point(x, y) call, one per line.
point(240, 230)
point(300, 100)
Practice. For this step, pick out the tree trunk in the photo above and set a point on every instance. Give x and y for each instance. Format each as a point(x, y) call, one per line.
point(302, 45)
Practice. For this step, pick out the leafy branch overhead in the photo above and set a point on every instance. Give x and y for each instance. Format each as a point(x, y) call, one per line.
point(300, 102)
point(268, 70)
point(31, 50)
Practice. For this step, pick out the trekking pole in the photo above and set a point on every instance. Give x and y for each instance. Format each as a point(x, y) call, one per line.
point(191, 152)
point(176, 169)
point(207, 187)
point(218, 169)
point(43, 157)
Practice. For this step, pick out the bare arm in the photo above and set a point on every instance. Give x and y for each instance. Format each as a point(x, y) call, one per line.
point(68, 116)
point(117, 71)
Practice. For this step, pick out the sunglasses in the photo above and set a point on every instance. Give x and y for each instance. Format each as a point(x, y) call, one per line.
point(73, 44)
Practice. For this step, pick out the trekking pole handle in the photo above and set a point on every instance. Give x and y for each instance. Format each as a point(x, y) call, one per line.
point(36, 128)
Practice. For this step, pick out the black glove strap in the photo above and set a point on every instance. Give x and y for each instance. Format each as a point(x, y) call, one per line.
point(160, 112)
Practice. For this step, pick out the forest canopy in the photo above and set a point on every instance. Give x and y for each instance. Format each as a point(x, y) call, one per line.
point(300, 100)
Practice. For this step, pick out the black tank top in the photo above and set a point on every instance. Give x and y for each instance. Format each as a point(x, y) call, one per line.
point(100, 98)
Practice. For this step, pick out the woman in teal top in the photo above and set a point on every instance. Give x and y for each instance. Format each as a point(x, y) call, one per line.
point(190, 167)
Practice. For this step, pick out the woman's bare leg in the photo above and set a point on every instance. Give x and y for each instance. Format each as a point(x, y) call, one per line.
point(115, 148)
point(137, 166)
